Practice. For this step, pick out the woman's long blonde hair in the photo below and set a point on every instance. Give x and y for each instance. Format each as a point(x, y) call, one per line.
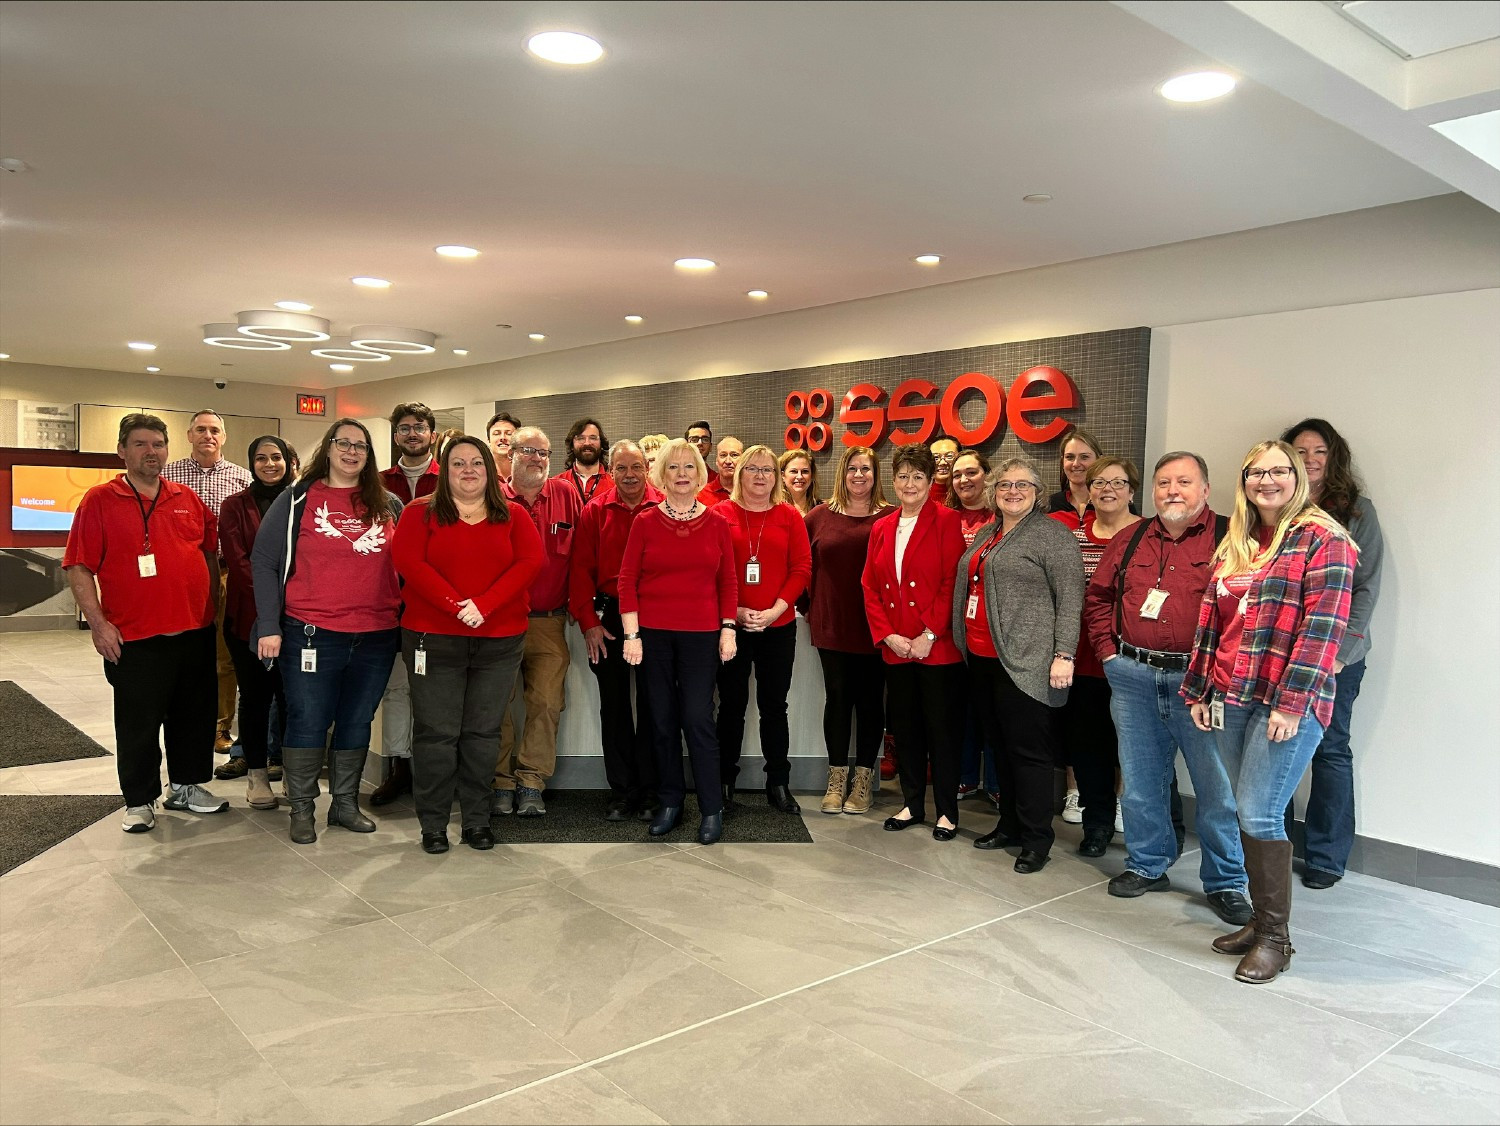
point(1240, 550)
point(840, 500)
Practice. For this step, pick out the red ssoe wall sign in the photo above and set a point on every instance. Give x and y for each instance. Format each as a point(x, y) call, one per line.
point(869, 418)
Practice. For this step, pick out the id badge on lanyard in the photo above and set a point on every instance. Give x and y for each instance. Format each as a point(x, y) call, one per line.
point(752, 572)
point(309, 654)
point(146, 561)
point(419, 658)
point(1155, 599)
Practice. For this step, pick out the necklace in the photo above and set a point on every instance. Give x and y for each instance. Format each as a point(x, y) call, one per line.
point(675, 514)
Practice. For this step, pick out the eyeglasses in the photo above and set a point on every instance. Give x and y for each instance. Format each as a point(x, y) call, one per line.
point(1115, 483)
point(346, 446)
point(532, 451)
point(857, 471)
point(1014, 486)
point(760, 470)
point(1276, 473)
point(945, 459)
point(419, 428)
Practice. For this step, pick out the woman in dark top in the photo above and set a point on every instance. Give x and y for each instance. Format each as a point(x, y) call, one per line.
point(853, 673)
point(1079, 450)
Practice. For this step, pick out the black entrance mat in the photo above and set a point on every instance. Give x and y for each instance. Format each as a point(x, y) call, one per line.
point(577, 817)
point(32, 732)
point(30, 824)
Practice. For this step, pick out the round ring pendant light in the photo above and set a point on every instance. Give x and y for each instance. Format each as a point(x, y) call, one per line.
point(225, 334)
point(393, 339)
point(341, 349)
point(275, 324)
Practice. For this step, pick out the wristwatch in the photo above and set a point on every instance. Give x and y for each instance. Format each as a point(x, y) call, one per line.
point(632, 637)
point(929, 635)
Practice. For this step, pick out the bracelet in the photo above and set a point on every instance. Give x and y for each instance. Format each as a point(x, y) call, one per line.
point(632, 637)
point(1062, 657)
point(726, 625)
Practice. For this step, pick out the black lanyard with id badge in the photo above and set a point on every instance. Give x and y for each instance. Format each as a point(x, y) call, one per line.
point(971, 611)
point(146, 561)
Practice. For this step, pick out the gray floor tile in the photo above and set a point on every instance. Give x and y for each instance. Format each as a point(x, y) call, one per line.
point(65, 929)
point(772, 1065)
point(1418, 1085)
point(605, 984)
point(1469, 1028)
point(155, 1048)
point(584, 1098)
point(761, 938)
point(366, 1024)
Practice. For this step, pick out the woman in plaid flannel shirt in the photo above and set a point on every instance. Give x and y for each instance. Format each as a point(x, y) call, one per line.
point(1261, 674)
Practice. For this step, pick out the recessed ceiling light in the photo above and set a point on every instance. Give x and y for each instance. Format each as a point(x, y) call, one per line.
point(141, 346)
point(536, 336)
point(371, 283)
point(1037, 197)
point(460, 351)
point(928, 259)
point(153, 369)
point(695, 263)
point(1199, 86)
point(294, 306)
point(4, 355)
point(340, 367)
point(451, 250)
point(758, 294)
point(567, 47)
point(634, 318)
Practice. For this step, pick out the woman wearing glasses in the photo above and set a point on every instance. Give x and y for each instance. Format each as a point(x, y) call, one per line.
point(773, 563)
point(908, 586)
point(1261, 675)
point(1017, 607)
point(1087, 732)
point(327, 603)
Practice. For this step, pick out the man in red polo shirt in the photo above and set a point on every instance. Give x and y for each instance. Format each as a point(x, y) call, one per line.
point(555, 506)
point(588, 453)
point(143, 563)
point(594, 601)
point(726, 457)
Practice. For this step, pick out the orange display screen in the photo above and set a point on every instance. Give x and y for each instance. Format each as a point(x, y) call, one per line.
point(43, 498)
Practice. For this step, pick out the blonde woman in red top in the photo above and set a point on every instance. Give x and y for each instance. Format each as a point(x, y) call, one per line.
point(468, 563)
point(773, 563)
point(678, 597)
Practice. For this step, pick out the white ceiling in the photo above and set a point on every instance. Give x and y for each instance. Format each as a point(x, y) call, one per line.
point(1415, 28)
point(189, 160)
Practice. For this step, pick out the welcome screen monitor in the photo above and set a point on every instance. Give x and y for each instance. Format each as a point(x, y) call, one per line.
point(43, 498)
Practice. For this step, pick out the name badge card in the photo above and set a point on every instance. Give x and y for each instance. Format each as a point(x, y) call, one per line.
point(973, 610)
point(419, 662)
point(1216, 714)
point(1151, 608)
point(752, 573)
point(147, 565)
point(309, 660)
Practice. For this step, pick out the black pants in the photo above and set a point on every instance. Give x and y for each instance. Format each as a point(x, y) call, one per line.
point(855, 688)
point(1090, 744)
point(1021, 731)
point(258, 689)
point(679, 672)
point(771, 653)
point(926, 713)
point(626, 734)
point(456, 708)
point(166, 689)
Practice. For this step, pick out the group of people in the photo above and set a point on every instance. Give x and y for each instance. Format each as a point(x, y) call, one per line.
point(1002, 635)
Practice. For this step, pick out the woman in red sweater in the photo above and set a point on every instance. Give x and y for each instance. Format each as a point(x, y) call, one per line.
point(468, 568)
point(678, 598)
point(773, 564)
point(908, 582)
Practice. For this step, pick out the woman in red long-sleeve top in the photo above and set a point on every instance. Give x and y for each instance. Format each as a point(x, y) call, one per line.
point(467, 567)
point(678, 595)
point(773, 563)
point(908, 582)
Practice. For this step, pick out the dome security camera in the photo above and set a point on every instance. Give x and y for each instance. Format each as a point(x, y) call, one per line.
point(221, 383)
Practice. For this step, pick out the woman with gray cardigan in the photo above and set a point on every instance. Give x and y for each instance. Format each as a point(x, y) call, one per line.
point(1017, 602)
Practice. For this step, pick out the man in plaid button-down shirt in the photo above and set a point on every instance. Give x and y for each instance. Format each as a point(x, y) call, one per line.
point(213, 478)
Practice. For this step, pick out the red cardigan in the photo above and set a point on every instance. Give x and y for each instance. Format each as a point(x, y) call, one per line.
point(239, 520)
point(679, 574)
point(923, 597)
point(444, 564)
point(778, 538)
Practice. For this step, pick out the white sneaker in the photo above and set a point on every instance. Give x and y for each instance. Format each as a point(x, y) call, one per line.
point(194, 798)
point(139, 818)
point(1119, 818)
point(1071, 813)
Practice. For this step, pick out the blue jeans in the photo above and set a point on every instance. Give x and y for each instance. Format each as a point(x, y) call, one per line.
point(1329, 827)
point(1264, 774)
point(1153, 724)
point(345, 691)
point(976, 750)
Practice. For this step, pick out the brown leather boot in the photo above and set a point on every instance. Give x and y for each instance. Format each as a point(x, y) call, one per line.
point(1269, 866)
point(396, 783)
point(838, 780)
point(1240, 941)
point(860, 799)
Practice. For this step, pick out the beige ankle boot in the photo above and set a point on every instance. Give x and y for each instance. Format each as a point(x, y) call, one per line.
point(838, 779)
point(259, 795)
point(860, 798)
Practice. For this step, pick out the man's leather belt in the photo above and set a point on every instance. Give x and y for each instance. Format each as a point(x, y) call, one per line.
point(1172, 662)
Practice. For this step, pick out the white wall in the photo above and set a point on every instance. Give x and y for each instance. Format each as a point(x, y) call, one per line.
point(1414, 385)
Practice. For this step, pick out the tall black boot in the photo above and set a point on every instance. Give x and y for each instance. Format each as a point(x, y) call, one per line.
point(344, 771)
point(300, 769)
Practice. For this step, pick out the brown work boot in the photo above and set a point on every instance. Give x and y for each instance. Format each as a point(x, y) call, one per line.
point(838, 779)
point(1269, 866)
point(259, 795)
point(396, 783)
point(860, 797)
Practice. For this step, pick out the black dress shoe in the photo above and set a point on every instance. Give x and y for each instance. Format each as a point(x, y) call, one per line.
point(1095, 841)
point(943, 833)
point(1230, 906)
point(781, 798)
point(648, 810)
point(479, 839)
point(730, 805)
point(996, 839)
point(665, 821)
point(617, 810)
point(711, 828)
point(896, 824)
point(435, 842)
point(1030, 861)
point(1128, 885)
point(1317, 879)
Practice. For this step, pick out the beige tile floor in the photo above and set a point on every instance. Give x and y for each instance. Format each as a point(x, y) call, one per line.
point(211, 972)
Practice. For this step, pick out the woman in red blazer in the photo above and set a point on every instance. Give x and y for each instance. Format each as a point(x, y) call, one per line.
point(274, 464)
point(908, 583)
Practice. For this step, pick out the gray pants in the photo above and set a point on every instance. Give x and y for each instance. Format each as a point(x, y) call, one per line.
point(457, 706)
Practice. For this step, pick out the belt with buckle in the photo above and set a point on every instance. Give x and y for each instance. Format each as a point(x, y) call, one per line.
point(558, 613)
point(1172, 662)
